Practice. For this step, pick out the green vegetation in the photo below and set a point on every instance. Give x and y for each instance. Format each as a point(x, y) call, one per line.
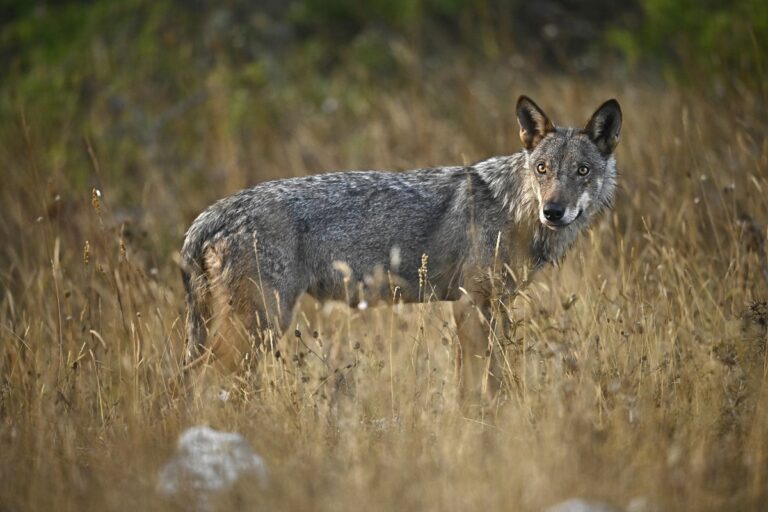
point(695, 39)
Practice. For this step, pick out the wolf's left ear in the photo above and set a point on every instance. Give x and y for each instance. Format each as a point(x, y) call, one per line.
point(604, 126)
point(534, 123)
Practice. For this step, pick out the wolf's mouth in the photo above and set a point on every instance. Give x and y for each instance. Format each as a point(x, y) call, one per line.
point(557, 225)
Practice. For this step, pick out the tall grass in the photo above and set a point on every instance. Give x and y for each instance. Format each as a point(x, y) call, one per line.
point(635, 372)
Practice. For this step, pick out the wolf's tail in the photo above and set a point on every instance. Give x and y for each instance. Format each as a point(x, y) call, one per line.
point(198, 298)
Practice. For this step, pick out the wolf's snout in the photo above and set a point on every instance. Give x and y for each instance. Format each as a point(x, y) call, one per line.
point(554, 212)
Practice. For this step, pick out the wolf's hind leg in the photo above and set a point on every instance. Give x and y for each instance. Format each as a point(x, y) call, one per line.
point(251, 301)
point(477, 363)
point(257, 316)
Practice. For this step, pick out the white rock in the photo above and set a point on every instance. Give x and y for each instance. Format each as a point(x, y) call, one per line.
point(208, 461)
point(642, 504)
point(579, 505)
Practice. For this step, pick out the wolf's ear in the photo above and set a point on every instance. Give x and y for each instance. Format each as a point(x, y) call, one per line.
point(534, 123)
point(604, 126)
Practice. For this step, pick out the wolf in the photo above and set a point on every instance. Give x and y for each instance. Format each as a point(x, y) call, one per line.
point(468, 234)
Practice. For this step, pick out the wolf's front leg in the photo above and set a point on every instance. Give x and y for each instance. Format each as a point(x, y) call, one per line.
point(478, 358)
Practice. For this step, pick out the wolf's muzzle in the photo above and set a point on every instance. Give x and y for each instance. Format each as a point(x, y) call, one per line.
point(559, 217)
point(554, 212)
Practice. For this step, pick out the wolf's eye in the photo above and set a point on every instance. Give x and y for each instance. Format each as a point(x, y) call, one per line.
point(541, 167)
point(583, 170)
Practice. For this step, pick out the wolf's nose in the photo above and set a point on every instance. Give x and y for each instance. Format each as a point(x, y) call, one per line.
point(553, 211)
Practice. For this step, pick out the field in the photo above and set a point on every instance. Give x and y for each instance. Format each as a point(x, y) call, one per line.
point(635, 373)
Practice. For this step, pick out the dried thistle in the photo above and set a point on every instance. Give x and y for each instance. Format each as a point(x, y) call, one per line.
point(423, 270)
point(96, 200)
point(754, 240)
point(754, 319)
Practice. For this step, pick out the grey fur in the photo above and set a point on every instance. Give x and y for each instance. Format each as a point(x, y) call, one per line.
point(267, 245)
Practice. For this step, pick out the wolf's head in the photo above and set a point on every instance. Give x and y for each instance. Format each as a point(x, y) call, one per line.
point(572, 171)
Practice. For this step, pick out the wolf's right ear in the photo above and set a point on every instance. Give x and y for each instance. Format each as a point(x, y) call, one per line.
point(604, 126)
point(534, 123)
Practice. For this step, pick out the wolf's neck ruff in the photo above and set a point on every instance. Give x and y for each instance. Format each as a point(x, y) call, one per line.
point(510, 180)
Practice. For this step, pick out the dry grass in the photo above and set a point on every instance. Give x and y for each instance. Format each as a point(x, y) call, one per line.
point(632, 371)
